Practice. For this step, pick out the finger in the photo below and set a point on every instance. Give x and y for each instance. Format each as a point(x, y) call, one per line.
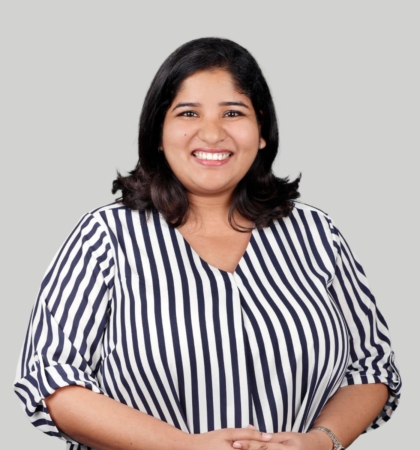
point(248, 434)
point(251, 427)
point(257, 445)
point(282, 437)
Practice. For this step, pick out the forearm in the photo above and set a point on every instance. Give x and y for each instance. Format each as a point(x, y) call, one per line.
point(105, 424)
point(351, 410)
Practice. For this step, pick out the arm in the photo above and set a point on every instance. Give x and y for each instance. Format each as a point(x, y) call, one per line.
point(105, 424)
point(56, 378)
point(347, 414)
point(363, 401)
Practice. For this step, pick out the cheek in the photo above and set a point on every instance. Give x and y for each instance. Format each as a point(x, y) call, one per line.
point(175, 136)
point(247, 137)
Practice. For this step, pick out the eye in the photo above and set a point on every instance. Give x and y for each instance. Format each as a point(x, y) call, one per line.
point(188, 114)
point(233, 113)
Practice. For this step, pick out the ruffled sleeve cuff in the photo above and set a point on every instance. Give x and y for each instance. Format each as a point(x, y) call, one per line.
point(389, 376)
point(43, 381)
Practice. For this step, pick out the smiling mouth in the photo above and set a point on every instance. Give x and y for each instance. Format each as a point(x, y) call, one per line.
point(212, 156)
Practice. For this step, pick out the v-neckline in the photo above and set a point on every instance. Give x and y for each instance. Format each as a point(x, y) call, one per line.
point(195, 253)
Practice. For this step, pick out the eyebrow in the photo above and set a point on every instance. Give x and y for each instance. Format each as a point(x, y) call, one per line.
point(196, 105)
point(181, 105)
point(233, 104)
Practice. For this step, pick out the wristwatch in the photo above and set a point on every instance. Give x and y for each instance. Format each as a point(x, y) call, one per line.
point(337, 444)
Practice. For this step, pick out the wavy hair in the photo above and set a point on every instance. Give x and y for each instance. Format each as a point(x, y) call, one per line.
point(260, 196)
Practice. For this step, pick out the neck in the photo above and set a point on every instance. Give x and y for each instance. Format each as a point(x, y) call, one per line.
point(211, 214)
point(209, 208)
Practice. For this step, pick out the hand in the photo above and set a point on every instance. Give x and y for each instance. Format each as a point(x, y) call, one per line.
point(288, 441)
point(223, 439)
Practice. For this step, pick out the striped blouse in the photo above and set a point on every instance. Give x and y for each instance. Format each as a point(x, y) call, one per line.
point(127, 308)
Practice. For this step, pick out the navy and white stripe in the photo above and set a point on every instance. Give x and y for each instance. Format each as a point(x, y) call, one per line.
point(128, 309)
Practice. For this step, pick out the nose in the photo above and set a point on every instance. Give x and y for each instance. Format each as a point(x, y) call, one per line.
point(211, 131)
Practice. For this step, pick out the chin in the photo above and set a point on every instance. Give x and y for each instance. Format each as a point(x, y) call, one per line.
point(212, 190)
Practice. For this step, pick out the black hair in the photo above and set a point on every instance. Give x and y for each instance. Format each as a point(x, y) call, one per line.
point(260, 196)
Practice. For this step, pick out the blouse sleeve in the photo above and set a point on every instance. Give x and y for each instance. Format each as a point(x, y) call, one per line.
point(64, 337)
point(371, 357)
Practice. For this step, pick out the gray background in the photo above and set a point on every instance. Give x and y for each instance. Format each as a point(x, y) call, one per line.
point(345, 79)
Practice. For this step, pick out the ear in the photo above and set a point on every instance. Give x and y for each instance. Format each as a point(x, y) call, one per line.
point(262, 142)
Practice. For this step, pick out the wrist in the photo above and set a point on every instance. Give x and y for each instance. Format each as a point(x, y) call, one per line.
point(323, 441)
point(194, 441)
point(337, 445)
point(184, 441)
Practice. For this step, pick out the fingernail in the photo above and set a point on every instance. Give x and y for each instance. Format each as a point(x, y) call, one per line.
point(267, 436)
point(237, 445)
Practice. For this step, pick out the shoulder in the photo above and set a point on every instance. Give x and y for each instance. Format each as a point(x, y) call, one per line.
point(310, 229)
point(300, 207)
point(311, 215)
point(101, 222)
point(121, 222)
point(109, 208)
point(107, 215)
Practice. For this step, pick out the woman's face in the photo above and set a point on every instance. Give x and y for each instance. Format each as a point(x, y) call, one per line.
point(210, 134)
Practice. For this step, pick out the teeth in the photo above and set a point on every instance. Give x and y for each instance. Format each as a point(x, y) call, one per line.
point(211, 156)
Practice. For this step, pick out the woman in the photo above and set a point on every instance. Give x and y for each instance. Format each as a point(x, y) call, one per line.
point(212, 310)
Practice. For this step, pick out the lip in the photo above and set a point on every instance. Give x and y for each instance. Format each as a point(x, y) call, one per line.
point(208, 162)
point(212, 150)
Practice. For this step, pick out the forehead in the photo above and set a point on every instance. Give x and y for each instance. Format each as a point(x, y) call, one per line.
point(208, 83)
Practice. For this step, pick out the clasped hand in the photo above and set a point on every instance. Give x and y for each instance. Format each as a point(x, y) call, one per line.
point(252, 439)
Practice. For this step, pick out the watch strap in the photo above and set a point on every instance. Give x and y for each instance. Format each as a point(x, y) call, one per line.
point(337, 444)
